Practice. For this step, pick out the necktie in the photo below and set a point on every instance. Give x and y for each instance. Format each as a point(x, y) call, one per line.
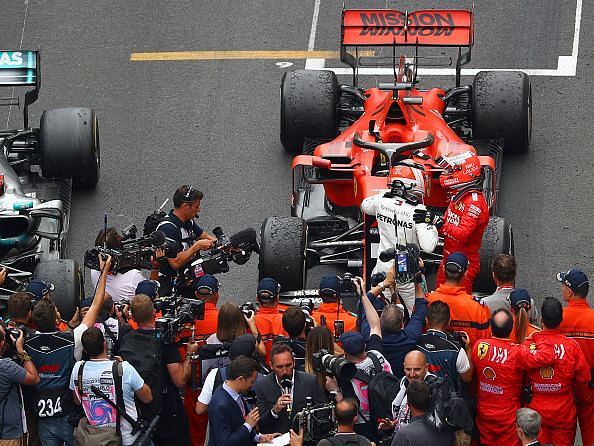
point(241, 406)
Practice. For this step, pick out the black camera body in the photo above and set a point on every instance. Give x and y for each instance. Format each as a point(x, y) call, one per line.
point(456, 337)
point(134, 253)
point(249, 309)
point(406, 262)
point(337, 366)
point(238, 248)
point(316, 423)
point(178, 312)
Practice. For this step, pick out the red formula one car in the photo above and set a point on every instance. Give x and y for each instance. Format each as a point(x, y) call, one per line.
point(346, 138)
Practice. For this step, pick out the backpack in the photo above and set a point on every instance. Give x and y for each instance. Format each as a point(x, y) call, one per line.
point(143, 352)
point(382, 388)
point(152, 221)
point(220, 377)
point(448, 409)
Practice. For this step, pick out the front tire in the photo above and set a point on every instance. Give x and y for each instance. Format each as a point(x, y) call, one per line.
point(309, 100)
point(283, 242)
point(497, 239)
point(66, 276)
point(502, 108)
point(69, 145)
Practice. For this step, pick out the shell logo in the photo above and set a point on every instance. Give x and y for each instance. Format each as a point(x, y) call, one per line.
point(489, 373)
point(547, 372)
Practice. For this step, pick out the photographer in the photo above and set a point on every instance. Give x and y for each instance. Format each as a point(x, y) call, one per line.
point(243, 345)
point(54, 353)
point(162, 368)
point(282, 394)
point(180, 229)
point(346, 413)
point(268, 318)
point(394, 213)
point(100, 416)
point(119, 286)
point(446, 354)
point(294, 323)
point(397, 339)
point(336, 318)
point(12, 376)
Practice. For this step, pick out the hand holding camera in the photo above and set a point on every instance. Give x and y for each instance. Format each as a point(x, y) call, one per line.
point(203, 245)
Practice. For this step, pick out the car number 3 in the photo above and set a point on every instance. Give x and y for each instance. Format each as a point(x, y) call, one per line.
point(49, 407)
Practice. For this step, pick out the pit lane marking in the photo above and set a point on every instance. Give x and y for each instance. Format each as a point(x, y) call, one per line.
point(566, 65)
point(231, 55)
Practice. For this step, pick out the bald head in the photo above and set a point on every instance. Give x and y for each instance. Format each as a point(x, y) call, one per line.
point(415, 365)
point(502, 323)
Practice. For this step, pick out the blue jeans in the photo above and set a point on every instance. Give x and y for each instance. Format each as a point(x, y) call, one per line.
point(56, 431)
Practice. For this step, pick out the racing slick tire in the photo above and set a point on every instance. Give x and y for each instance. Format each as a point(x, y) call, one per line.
point(497, 239)
point(283, 243)
point(69, 145)
point(502, 109)
point(66, 276)
point(309, 100)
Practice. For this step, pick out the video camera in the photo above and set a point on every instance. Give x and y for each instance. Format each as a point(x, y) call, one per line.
point(316, 423)
point(337, 366)
point(177, 312)
point(237, 248)
point(407, 261)
point(133, 253)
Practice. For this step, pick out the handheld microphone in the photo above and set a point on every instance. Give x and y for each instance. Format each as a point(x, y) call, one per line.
point(286, 385)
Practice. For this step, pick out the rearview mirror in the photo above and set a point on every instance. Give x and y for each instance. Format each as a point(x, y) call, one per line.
point(51, 222)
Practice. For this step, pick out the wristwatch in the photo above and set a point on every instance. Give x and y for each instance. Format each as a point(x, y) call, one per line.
point(381, 284)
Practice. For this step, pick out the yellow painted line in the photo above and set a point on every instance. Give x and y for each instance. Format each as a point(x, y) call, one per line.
point(233, 55)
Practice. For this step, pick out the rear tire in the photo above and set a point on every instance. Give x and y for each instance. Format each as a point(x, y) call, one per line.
point(309, 100)
point(69, 145)
point(66, 276)
point(502, 108)
point(283, 241)
point(497, 239)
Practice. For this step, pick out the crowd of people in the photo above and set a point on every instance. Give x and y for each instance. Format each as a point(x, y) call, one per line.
point(409, 367)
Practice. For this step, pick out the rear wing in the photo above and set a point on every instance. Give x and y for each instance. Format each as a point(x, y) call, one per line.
point(388, 27)
point(20, 69)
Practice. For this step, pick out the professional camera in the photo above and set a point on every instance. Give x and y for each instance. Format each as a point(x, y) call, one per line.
point(133, 253)
point(337, 366)
point(347, 283)
point(316, 422)
point(407, 260)
point(179, 312)
point(456, 336)
point(237, 248)
point(307, 306)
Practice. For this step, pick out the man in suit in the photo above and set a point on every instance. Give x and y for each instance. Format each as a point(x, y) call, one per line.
point(528, 426)
point(282, 393)
point(230, 422)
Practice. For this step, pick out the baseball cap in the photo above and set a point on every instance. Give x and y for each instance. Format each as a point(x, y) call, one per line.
point(352, 342)
point(268, 288)
point(519, 296)
point(330, 285)
point(37, 288)
point(243, 345)
point(575, 279)
point(148, 287)
point(207, 284)
point(459, 260)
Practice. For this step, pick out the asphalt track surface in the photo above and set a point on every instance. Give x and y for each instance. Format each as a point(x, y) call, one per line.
point(214, 123)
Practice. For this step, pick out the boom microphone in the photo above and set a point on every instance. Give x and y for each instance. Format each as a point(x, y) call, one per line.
point(245, 237)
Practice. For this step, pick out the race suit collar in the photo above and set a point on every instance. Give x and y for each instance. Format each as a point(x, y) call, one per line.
point(580, 302)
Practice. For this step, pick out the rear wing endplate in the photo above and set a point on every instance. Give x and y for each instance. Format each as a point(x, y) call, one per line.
point(21, 69)
point(389, 27)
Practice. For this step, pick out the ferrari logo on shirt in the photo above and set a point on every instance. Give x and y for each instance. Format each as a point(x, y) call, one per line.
point(459, 206)
point(482, 350)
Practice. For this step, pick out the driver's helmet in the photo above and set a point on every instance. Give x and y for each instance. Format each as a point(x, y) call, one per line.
point(411, 177)
point(460, 169)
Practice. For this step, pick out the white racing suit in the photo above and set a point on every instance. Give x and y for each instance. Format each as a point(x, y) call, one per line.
point(425, 236)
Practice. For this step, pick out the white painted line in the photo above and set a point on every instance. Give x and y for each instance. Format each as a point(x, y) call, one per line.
point(314, 26)
point(566, 65)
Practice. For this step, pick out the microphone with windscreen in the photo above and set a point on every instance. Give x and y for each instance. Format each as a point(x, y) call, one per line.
point(286, 385)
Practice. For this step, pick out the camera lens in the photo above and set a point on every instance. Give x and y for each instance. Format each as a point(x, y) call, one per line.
point(339, 367)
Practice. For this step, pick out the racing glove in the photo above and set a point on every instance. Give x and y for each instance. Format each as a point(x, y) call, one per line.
point(427, 217)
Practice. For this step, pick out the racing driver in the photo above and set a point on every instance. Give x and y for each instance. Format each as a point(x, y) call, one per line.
point(394, 213)
point(467, 215)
